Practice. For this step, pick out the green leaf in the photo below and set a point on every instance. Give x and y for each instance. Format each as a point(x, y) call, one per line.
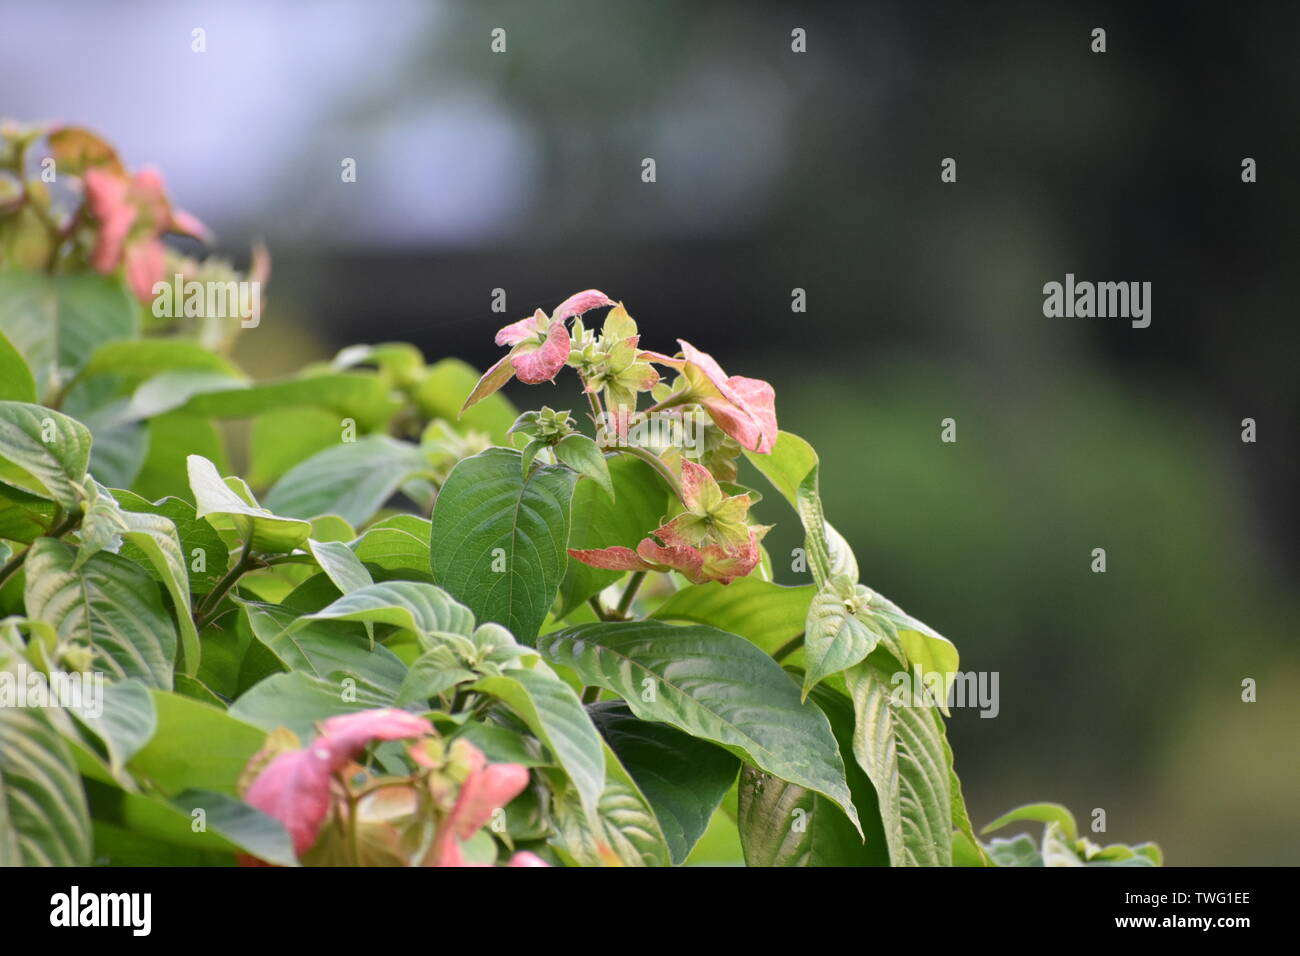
point(262, 530)
point(340, 564)
point(172, 438)
point(284, 437)
point(683, 778)
point(792, 468)
point(16, 382)
point(597, 522)
point(413, 605)
point(322, 649)
point(205, 555)
point(24, 517)
point(196, 745)
point(396, 547)
point(352, 479)
point(109, 604)
point(442, 392)
point(1021, 851)
point(838, 633)
point(585, 457)
point(57, 322)
point(553, 712)
point(123, 718)
point(138, 359)
point(298, 701)
point(498, 538)
point(196, 820)
point(156, 537)
point(783, 824)
point(43, 453)
point(712, 685)
point(1039, 813)
point(171, 390)
point(362, 396)
point(768, 615)
point(901, 748)
point(43, 815)
point(621, 831)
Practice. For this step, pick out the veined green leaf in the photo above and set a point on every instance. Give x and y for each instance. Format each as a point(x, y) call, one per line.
point(43, 815)
point(257, 526)
point(683, 778)
point(839, 632)
point(109, 605)
point(43, 452)
point(553, 712)
point(621, 831)
point(57, 322)
point(203, 553)
point(767, 614)
point(498, 538)
point(712, 685)
point(351, 479)
point(901, 749)
point(783, 824)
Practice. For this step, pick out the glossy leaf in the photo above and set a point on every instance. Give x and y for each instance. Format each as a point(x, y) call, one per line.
point(712, 685)
point(682, 777)
point(498, 538)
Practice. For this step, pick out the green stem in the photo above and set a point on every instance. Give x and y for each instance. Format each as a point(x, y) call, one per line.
point(629, 593)
point(654, 462)
point(788, 648)
point(596, 606)
point(202, 614)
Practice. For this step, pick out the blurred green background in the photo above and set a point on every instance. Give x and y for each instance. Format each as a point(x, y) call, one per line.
point(820, 170)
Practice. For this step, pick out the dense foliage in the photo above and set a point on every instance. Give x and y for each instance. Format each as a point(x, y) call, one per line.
point(423, 629)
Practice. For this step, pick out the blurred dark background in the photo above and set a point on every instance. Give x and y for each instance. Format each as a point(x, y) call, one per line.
point(820, 170)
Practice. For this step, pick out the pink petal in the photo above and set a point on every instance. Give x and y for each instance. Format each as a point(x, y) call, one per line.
point(516, 332)
point(544, 363)
point(145, 263)
point(106, 196)
point(726, 564)
point(491, 381)
point(482, 794)
point(295, 789)
point(681, 558)
point(759, 399)
point(747, 408)
point(616, 558)
point(188, 225)
point(344, 737)
point(524, 858)
point(580, 303)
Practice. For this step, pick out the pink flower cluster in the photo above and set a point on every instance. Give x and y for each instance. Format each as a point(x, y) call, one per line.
point(302, 788)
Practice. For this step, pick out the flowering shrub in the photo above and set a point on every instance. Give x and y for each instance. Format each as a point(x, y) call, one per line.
point(423, 629)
